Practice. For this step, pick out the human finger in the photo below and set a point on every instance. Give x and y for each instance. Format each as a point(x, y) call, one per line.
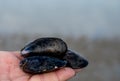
point(59, 75)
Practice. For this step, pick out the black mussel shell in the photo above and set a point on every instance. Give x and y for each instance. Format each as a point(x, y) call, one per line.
point(45, 46)
point(49, 54)
point(41, 64)
point(74, 60)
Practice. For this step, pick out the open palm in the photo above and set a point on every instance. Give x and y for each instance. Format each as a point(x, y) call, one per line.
point(10, 71)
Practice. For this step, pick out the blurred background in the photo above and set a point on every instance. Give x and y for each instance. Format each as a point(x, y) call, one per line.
point(91, 27)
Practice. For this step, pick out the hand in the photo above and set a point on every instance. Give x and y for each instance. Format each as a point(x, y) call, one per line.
point(10, 70)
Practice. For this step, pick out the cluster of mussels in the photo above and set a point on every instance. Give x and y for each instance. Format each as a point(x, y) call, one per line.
point(49, 54)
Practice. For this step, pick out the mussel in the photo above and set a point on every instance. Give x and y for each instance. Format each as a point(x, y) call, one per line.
point(49, 54)
point(45, 47)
